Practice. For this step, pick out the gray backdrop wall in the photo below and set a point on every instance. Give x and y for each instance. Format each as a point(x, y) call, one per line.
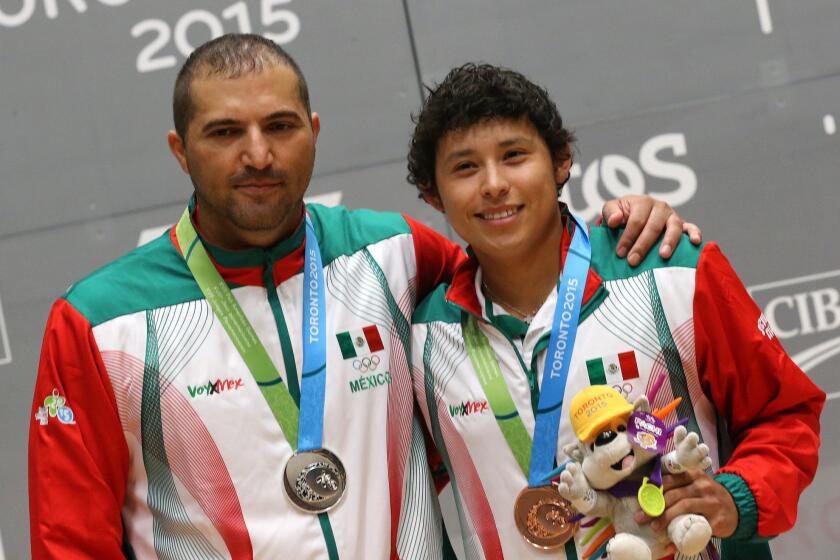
point(726, 109)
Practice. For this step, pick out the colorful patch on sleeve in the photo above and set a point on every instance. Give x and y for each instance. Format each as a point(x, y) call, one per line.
point(55, 406)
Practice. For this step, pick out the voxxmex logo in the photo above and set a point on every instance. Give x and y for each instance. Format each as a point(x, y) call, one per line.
point(804, 312)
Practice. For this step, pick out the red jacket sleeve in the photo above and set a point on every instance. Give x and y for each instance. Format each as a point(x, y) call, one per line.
point(437, 257)
point(770, 406)
point(78, 457)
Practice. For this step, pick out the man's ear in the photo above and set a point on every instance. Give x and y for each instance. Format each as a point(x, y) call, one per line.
point(315, 119)
point(574, 451)
point(642, 404)
point(178, 149)
point(433, 200)
point(561, 174)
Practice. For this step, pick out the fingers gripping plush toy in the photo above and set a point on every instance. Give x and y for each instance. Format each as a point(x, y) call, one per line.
point(620, 447)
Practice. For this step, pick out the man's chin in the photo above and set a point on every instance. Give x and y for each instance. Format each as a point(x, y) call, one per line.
point(262, 219)
point(258, 224)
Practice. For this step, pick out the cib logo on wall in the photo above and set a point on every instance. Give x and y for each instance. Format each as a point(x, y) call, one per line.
point(804, 312)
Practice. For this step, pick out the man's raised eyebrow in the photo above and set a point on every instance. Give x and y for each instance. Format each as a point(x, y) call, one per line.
point(503, 144)
point(283, 115)
point(514, 140)
point(233, 122)
point(217, 123)
point(458, 154)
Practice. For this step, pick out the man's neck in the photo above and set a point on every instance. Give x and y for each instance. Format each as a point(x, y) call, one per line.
point(521, 283)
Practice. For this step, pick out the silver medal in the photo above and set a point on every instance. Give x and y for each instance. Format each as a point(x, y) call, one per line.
point(315, 480)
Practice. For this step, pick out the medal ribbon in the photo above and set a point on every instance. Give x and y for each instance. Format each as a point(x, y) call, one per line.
point(490, 376)
point(253, 353)
point(558, 354)
point(314, 375)
point(537, 459)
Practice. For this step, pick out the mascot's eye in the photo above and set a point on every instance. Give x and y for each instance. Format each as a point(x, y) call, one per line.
point(605, 437)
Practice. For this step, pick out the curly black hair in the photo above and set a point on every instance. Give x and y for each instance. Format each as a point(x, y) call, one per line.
point(473, 93)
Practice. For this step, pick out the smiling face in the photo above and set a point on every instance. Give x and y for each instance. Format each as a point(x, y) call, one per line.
point(497, 184)
point(249, 150)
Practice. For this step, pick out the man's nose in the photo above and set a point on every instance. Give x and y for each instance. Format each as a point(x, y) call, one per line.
point(257, 150)
point(495, 183)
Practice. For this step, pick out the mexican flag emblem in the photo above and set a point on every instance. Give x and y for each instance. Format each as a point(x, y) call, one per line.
point(359, 342)
point(614, 369)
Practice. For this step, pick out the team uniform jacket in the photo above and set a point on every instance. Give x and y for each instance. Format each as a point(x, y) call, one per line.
point(689, 317)
point(150, 438)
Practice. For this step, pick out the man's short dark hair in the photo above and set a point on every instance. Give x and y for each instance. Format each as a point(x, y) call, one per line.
point(229, 56)
point(474, 93)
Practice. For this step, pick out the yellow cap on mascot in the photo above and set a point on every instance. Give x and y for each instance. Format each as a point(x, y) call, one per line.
point(595, 408)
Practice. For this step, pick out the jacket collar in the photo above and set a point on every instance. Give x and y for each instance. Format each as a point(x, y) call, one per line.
point(465, 291)
point(247, 267)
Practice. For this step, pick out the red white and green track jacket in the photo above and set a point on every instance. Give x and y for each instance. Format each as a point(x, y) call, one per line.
point(150, 438)
point(690, 318)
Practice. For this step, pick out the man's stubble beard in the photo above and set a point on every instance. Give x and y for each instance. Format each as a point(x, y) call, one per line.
point(250, 217)
point(264, 216)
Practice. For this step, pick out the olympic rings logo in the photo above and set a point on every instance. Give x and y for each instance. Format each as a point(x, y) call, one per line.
point(366, 364)
point(625, 389)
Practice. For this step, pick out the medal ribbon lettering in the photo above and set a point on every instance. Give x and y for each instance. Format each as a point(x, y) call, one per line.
point(558, 355)
point(314, 375)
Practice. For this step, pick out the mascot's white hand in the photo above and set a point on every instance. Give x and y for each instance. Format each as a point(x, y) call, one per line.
point(689, 452)
point(575, 488)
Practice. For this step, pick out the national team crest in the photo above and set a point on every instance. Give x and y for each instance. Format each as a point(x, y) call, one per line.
point(360, 342)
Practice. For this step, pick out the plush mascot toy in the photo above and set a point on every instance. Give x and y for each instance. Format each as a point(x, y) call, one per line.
point(616, 470)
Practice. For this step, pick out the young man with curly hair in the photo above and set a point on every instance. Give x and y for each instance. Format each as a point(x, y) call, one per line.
point(543, 309)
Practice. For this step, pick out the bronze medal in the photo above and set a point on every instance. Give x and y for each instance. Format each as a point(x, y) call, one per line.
point(314, 480)
point(543, 517)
